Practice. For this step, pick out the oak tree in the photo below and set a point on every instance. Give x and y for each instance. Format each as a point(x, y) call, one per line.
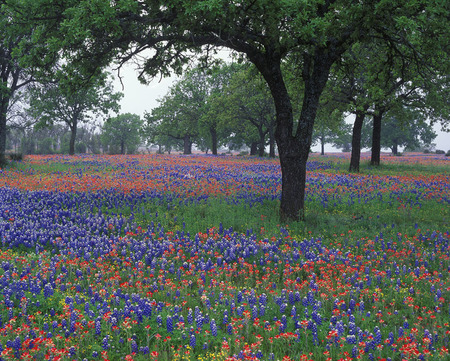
point(163, 35)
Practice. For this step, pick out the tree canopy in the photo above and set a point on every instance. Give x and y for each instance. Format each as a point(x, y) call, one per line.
point(56, 101)
point(122, 134)
point(161, 36)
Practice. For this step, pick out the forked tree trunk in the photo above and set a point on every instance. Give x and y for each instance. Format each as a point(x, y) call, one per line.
point(356, 142)
point(293, 148)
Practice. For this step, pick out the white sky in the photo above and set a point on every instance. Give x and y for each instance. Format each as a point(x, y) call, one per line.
point(139, 98)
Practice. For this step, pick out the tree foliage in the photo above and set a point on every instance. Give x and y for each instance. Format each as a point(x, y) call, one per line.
point(246, 110)
point(186, 113)
point(122, 134)
point(14, 44)
point(57, 101)
point(406, 127)
point(315, 33)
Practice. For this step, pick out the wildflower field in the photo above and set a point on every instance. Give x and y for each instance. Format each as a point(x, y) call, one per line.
point(154, 257)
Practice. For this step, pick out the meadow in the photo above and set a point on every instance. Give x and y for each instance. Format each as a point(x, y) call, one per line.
point(158, 257)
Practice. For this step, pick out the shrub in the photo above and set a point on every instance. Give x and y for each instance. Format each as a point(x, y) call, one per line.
point(439, 151)
point(426, 151)
point(448, 153)
point(17, 157)
point(3, 161)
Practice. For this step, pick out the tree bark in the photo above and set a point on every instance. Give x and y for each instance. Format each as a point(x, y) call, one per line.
point(356, 141)
point(253, 148)
point(262, 142)
point(376, 138)
point(322, 144)
point(187, 145)
point(122, 147)
point(395, 149)
point(3, 108)
point(213, 133)
point(73, 134)
point(271, 142)
point(294, 148)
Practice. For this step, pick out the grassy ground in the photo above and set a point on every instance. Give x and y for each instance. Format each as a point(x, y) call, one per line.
point(201, 268)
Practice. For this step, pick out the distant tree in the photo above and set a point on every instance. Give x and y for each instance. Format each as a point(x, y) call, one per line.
point(177, 116)
point(88, 140)
point(404, 127)
point(186, 113)
point(245, 110)
point(48, 140)
point(212, 130)
point(330, 120)
point(73, 101)
point(372, 79)
point(122, 134)
point(164, 142)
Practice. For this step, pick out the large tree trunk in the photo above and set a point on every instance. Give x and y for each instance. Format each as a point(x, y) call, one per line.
point(253, 148)
point(262, 142)
point(395, 149)
point(376, 137)
point(73, 135)
point(356, 141)
point(187, 145)
point(213, 133)
point(294, 149)
point(122, 147)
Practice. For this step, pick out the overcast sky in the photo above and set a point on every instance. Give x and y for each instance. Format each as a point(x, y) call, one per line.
point(139, 98)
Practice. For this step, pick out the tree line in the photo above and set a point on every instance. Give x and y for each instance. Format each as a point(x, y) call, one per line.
point(371, 58)
point(227, 105)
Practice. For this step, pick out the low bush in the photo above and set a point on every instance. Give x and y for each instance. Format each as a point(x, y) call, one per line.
point(17, 157)
point(3, 161)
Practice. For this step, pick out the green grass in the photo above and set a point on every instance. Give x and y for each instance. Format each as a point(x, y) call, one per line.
point(263, 219)
point(344, 226)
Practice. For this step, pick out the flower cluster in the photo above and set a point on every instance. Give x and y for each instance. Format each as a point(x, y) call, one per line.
point(77, 282)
